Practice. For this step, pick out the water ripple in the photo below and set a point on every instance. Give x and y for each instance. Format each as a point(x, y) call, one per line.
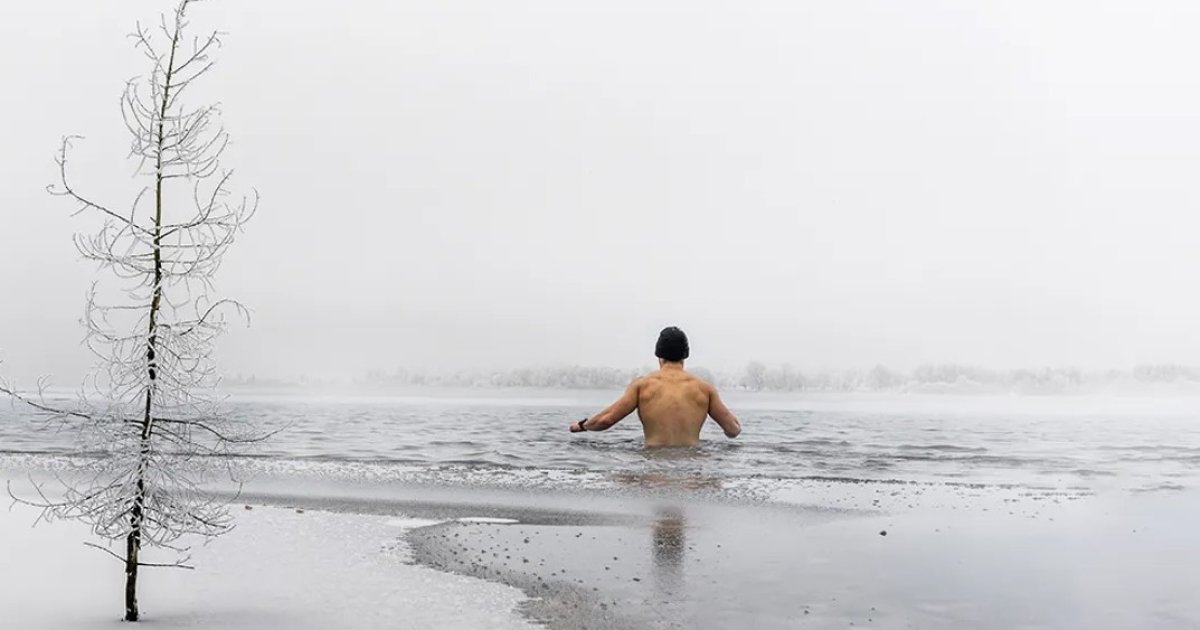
point(1141, 450)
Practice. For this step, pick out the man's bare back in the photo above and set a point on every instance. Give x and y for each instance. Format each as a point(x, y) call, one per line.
point(671, 403)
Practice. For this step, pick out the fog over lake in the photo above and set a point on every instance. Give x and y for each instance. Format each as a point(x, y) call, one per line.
point(490, 185)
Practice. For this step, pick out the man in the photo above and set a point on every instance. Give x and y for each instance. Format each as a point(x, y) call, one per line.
point(671, 403)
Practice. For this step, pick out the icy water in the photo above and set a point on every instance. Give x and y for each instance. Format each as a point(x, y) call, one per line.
point(937, 512)
point(1054, 442)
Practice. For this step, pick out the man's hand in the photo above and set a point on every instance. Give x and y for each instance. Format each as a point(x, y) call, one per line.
point(577, 426)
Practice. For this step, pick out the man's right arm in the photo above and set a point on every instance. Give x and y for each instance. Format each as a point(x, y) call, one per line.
point(613, 414)
point(722, 415)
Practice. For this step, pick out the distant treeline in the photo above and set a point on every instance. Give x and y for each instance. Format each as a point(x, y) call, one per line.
point(758, 376)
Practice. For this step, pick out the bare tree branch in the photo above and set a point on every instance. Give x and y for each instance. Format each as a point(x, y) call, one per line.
point(175, 565)
point(151, 432)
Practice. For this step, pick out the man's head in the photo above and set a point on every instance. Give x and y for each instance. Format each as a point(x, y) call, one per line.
point(672, 345)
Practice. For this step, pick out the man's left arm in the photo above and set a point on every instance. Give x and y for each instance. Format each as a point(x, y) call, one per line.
point(613, 414)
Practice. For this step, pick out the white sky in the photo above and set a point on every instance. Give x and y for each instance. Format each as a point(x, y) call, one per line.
point(490, 183)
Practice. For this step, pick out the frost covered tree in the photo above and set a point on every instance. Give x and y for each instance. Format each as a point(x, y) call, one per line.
point(148, 420)
point(755, 376)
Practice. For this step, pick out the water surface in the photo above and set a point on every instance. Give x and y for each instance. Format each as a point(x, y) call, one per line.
point(1055, 442)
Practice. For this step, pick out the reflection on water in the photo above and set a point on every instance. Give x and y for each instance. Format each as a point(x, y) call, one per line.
point(668, 533)
point(673, 453)
point(671, 468)
point(667, 545)
point(667, 480)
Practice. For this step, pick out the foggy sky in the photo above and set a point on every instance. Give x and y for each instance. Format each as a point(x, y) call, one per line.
point(479, 183)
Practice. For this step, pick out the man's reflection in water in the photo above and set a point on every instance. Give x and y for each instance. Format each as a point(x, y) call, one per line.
point(668, 533)
point(667, 546)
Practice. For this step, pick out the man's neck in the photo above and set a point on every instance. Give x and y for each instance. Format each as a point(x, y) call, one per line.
point(671, 365)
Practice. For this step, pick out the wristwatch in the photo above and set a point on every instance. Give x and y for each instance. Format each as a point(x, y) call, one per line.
point(581, 427)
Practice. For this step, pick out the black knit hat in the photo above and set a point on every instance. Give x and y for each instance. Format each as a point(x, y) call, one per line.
point(672, 345)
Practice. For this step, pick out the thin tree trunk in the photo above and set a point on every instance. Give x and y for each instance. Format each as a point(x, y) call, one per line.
point(133, 544)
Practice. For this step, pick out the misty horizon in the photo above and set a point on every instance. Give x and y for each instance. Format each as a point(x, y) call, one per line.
point(475, 186)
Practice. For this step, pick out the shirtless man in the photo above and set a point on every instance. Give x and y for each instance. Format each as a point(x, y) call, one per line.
point(671, 403)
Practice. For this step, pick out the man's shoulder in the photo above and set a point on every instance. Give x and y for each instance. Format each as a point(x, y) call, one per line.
point(674, 379)
point(640, 382)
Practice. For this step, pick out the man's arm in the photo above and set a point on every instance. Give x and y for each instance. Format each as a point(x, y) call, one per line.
point(613, 414)
point(724, 417)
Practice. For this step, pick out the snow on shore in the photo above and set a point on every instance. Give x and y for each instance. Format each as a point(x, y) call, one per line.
point(279, 568)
